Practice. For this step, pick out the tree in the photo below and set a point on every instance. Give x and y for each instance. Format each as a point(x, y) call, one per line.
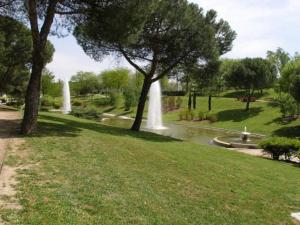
point(278, 59)
point(250, 74)
point(38, 13)
point(290, 79)
point(49, 86)
point(15, 56)
point(84, 83)
point(115, 79)
point(174, 33)
point(45, 17)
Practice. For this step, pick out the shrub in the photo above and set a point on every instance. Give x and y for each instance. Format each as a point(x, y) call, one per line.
point(130, 99)
point(115, 99)
point(201, 115)
point(212, 117)
point(178, 102)
point(87, 113)
point(280, 146)
point(77, 102)
point(171, 102)
point(102, 101)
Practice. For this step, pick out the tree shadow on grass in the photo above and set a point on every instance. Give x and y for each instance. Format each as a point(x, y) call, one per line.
point(238, 115)
point(291, 132)
point(57, 126)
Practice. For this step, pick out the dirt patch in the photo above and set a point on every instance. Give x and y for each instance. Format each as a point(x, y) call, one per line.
point(11, 146)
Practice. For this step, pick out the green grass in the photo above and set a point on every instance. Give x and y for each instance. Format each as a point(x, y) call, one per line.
point(263, 117)
point(87, 173)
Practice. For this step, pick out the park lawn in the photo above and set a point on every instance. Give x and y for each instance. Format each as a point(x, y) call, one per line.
point(88, 173)
point(263, 117)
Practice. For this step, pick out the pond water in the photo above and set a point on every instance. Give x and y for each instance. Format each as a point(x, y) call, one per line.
point(194, 134)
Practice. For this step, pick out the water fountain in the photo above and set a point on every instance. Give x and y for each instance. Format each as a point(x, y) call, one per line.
point(239, 141)
point(154, 121)
point(66, 98)
point(245, 135)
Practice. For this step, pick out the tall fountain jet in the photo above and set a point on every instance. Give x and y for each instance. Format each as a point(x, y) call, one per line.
point(66, 97)
point(154, 121)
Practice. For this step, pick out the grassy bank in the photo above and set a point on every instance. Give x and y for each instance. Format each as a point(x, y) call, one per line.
point(87, 173)
point(264, 116)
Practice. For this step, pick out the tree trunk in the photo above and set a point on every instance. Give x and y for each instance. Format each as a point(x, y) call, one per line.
point(194, 100)
point(190, 101)
point(250, 94)
point(32, 98)
point(141, 106)
point(209, 102)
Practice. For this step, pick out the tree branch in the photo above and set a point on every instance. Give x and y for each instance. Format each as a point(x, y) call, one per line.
point(48, 21)
point(132, 63)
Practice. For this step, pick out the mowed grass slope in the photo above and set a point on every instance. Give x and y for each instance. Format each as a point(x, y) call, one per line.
point(263, 117)
point(87, 173)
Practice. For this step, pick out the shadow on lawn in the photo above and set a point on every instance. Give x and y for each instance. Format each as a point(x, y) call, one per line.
point(56, 126)
point(238, 115)
point(291, 132)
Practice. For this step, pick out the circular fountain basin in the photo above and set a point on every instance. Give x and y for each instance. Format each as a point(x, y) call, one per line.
point(234, 141)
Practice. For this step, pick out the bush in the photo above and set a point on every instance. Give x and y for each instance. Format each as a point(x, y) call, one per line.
point(201, 115)
point(186, 114)
point(102, 101)
point(87, 113)
point(178, 102)
point(212, 117)
point(77, 102)
point(115, 99)
point(130, 99)
point(280, 146)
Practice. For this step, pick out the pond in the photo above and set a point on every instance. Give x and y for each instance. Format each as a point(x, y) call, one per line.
point(196, 134)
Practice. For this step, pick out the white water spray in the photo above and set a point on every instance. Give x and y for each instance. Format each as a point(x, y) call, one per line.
point(154, 120)
point(67, 98)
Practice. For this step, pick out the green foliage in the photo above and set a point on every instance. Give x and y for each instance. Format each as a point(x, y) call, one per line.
point(49, 86)
point(51, 102)
point(280, 146)
point(130, 98)
point(115, 99)
point(85, 112)
point(179, 102)
point(84, 83)
point(201, 115)
point(212, 117)
point(102, 101)
point(288, 106)
point(116, 80)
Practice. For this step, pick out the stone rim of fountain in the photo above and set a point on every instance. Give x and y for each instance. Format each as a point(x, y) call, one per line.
point(225, 144)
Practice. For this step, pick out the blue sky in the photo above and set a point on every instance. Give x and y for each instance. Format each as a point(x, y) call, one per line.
point(261, 25)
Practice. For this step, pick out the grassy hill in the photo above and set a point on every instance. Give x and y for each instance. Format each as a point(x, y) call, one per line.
point(87, 173)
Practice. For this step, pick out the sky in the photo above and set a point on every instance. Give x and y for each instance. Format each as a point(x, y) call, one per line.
point(261, 25)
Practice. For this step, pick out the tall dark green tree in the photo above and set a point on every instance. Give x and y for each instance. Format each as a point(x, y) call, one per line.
point(15, 56)
point(174, 33)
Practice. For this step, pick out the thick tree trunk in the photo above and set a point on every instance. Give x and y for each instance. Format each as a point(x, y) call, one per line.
point(32, 98)
point(190, 101)
point(194, 100)
point(141, 106)
point(209, 102)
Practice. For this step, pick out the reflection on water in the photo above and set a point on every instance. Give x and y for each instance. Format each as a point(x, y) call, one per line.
point(193, 134)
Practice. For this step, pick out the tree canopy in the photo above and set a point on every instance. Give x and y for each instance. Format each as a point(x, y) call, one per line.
point(250, 74)
point(171, 33)
point(15, 56)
